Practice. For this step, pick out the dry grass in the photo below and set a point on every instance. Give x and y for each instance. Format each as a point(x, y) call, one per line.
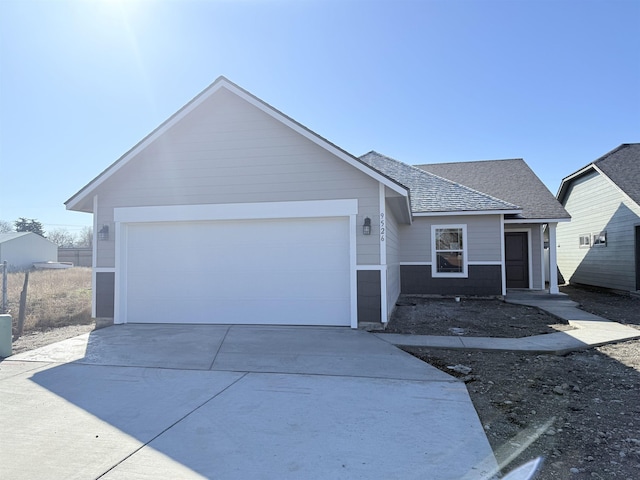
point(55, 298)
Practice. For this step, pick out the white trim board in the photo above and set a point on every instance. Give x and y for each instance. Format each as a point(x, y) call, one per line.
point(236, 211)
point(529, 252)
point(536, 220)
point(466, 212)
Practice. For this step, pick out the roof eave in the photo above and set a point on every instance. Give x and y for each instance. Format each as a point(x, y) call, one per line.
point(222, 82)
point(465, 212)
point(564, 184)
point(537, 220)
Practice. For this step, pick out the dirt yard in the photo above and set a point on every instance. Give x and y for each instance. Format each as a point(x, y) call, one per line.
point(581, 412)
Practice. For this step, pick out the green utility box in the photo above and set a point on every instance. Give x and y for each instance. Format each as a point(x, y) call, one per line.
point(5, 335)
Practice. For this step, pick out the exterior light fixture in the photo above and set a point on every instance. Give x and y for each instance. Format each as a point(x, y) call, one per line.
point(366, 228)
point(103, 233)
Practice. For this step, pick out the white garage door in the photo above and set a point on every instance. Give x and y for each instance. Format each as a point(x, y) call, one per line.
point(283, 271)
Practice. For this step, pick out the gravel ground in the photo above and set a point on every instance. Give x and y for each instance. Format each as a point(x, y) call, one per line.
point(580, 412)
point(37, 339)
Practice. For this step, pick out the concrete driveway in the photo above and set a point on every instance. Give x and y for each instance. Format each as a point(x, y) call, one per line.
point(234, 402)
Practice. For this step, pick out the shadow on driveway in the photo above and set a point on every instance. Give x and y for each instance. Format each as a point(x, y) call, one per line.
point(185, 401)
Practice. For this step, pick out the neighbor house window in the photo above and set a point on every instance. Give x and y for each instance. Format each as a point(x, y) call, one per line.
point(449, 250)
point(600, 239)
point(585, 240)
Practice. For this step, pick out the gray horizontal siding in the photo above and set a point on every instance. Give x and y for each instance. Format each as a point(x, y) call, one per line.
point(596, 205)
point(483, 237)
point(228, 151)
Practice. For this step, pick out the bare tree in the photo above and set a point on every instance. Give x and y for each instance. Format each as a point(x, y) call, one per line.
point(85, 237)
point(5, 227)
point(61, 237)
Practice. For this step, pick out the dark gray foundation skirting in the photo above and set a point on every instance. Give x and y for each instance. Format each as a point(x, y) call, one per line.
point(483, 280)
point(369, 296)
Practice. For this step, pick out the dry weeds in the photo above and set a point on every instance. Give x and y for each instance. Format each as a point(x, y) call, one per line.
point(55, 298)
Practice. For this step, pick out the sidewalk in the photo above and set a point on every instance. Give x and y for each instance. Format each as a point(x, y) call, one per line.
point(590, 330)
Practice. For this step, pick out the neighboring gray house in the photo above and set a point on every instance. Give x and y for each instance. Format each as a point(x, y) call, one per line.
point(21, 249)
point(232, 212)
point(601, 246)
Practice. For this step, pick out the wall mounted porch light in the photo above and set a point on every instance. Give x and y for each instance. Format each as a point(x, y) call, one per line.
point(103, 233)
point(366, 228)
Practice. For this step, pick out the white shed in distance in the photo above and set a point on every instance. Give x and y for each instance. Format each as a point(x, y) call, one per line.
point(22, 249)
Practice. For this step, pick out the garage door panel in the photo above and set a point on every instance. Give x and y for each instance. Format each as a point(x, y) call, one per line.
point(293, 271)
point(251, 312)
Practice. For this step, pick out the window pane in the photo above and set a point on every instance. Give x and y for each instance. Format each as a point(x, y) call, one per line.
point(449, 239)
point(600, 239)
point(451, 262)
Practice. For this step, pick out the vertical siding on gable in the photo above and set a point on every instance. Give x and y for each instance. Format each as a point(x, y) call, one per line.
point(483, 237)
point(228, 151)
point(596, 205)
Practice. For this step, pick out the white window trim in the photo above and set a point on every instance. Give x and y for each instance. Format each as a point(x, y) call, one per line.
point(465, 253)
point(595, 239)
point(588, 237)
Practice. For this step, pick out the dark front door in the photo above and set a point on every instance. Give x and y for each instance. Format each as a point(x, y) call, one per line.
point(517, 259)
point(637, 257)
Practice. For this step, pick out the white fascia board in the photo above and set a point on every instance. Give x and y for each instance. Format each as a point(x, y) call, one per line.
point(569, 178)
point(198, 100)
point(236, 211)
point(537, 220)
point(318, 140)
point(615, 186)
point(142, 144)
point(465, 213)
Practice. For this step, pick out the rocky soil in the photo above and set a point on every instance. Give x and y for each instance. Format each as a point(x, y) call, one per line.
point(580, 412)
point(36, 339)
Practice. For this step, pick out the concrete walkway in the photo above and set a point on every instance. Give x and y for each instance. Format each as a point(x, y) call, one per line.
point(590, 330)
point(234, 402)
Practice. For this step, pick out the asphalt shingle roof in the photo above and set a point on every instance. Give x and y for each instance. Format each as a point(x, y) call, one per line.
point(431, 193)
point(622, 166)
point(511, 180)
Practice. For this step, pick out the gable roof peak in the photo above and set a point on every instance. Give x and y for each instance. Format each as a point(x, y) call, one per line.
point(82, 200)
point(621, 166)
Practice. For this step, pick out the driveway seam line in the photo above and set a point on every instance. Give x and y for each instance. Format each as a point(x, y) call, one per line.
point(215, 357)
point(171, 426)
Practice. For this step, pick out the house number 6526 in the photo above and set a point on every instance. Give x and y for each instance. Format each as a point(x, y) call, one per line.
point(382, 227)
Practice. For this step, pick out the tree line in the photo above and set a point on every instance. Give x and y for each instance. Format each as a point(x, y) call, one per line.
point(59, 236)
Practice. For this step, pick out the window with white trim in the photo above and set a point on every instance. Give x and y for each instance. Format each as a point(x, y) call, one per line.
point(585, 240)
point(600, 239)
point(449, 250)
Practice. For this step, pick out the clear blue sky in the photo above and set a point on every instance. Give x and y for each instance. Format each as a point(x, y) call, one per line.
point(554, 82)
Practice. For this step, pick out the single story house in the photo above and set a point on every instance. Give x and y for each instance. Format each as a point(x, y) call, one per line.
point(22, 249)
point(232, 212)
point(601, 246)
